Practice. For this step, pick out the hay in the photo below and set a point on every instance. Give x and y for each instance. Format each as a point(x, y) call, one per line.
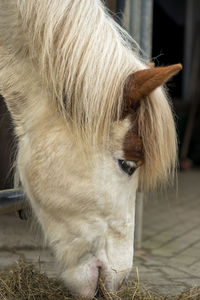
point(25, 282)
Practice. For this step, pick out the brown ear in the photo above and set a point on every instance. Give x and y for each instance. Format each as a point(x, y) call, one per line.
point(142, 83)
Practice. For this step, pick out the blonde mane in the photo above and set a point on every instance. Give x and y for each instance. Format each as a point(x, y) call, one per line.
point(83, 58)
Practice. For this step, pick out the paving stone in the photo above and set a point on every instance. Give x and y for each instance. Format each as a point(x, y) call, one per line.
point(192, 252)
point(151, 244)
point(172, 273)
point(7, 259)
point(37, 255)
point(182, 259)
point(15, 233)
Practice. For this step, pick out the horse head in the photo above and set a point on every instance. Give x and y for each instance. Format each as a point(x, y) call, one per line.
point(92, 123)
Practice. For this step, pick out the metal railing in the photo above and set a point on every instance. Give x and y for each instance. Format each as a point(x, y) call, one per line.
point(12, 200)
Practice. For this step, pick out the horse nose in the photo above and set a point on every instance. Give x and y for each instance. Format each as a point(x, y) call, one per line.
point(101, 270)
point(101, 267)
point(95, 271)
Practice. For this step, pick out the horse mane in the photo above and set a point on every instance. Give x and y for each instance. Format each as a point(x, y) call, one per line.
point(83, 59)
point(157, 129)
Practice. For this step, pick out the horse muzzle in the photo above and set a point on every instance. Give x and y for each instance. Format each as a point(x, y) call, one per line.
point(82, 281)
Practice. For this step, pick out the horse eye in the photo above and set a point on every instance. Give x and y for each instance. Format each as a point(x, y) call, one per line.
point(127, 166)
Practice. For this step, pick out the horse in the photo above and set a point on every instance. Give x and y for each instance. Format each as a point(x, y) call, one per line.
point(93, 123)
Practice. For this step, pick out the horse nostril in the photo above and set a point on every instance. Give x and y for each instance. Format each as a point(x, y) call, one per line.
point(101, 269)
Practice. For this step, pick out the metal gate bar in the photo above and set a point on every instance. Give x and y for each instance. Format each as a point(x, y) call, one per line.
point(11, 200)
point(140, 28)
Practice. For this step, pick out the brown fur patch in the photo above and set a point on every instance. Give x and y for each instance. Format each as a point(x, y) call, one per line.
point(133, 146)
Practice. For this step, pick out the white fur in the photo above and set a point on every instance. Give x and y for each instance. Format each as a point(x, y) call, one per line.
point(21, 5)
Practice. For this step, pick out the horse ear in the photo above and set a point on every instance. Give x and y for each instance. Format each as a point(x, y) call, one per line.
point(151, 64)
point(141, 83)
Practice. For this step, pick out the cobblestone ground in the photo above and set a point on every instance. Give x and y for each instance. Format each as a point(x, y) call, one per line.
point(170, 257)
point(22, 240)
point(169, 261)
